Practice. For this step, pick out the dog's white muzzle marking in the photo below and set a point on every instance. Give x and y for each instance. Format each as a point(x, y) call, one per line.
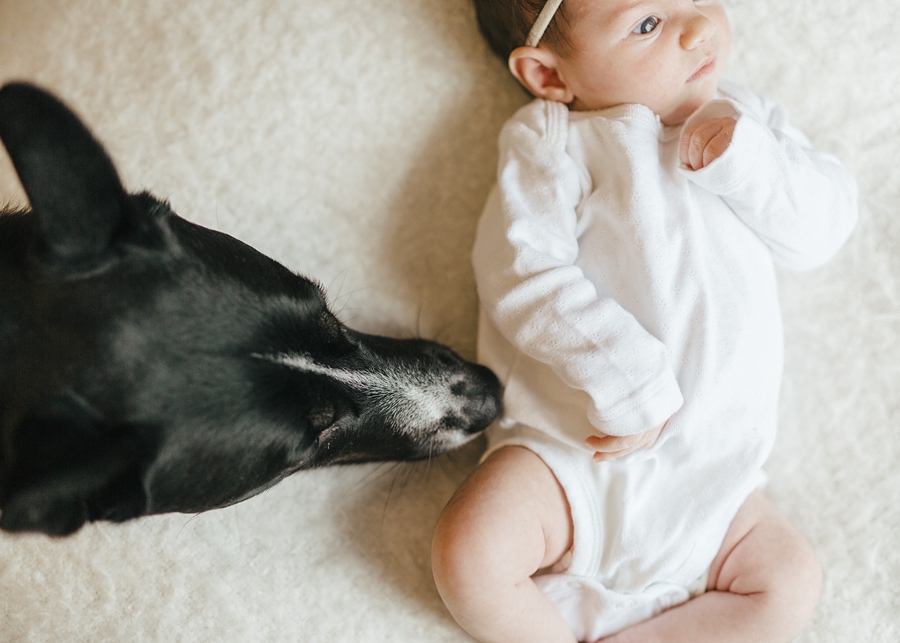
point(408, 399)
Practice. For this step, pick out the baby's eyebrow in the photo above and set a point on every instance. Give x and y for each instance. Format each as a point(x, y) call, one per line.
point(625, 13)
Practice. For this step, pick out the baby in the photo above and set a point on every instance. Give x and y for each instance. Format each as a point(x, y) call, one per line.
point(624, 264)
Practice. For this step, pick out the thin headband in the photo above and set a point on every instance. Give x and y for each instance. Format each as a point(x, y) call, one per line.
point(542, 22)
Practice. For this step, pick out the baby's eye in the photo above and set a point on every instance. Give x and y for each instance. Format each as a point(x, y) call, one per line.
point(648, 25)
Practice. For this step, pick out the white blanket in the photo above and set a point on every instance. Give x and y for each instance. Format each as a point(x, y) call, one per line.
point(356, 142)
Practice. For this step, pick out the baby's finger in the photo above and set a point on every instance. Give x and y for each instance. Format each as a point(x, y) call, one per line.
point(700, 143)
point(600, 456)
point(684, 147)
point(609, 443)
point(716, 147)
point(696, 143)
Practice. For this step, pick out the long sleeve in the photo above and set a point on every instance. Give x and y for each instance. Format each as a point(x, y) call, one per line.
point(800, 201)
point(542, 303)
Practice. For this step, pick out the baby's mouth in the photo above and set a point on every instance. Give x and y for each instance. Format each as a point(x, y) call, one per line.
point(704, 69)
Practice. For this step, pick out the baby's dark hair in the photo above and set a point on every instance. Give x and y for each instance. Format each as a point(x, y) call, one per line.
point(505, 25)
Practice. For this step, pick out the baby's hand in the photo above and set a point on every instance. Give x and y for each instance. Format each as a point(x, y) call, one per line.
point(610, 447)
point(704, 143)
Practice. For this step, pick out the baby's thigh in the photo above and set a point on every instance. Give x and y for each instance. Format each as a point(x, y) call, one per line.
point(506, 521)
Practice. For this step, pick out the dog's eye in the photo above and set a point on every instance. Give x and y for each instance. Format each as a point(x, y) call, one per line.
point(322, 416)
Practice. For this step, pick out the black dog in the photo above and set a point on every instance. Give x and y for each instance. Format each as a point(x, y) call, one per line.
point(150, 365)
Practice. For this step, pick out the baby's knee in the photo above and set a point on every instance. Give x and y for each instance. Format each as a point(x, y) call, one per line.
point(804, 576)
point(491, 535)
point(465, 553)
point(453, 555)
point(796, 587)
point(775, 567)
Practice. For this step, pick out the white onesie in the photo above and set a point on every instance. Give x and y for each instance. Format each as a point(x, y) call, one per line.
point(620, 289)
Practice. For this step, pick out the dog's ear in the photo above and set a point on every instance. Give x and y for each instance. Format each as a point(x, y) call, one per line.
point(69, 467)
point(70, 181)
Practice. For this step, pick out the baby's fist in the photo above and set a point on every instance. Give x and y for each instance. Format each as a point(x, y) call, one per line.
point(610, 447)
point(704, 143)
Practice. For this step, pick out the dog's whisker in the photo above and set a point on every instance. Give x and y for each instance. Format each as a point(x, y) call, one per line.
point(338, 297)
point(342, 275)
point(183, 526)
point(387, 499)
point(376, 473)
point(419, 319)
point(341, 302)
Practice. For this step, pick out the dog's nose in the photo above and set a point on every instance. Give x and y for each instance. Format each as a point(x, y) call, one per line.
point(485, 394)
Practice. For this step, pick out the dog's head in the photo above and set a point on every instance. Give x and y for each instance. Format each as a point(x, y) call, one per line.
point(149, 365)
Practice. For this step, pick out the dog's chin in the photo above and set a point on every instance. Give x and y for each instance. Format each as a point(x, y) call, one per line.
point(246, 496)
point(327, 454)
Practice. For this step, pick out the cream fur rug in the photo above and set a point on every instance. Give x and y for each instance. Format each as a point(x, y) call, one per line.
point(355, 142)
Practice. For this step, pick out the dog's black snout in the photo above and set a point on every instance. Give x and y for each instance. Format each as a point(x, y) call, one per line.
point(484, 392)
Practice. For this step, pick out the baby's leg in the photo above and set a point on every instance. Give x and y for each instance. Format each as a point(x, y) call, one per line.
point(507, 521)
point(764, 584)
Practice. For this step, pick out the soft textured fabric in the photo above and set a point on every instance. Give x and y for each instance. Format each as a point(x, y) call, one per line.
point(621, 290)
point(614, 282)
point(357, 142)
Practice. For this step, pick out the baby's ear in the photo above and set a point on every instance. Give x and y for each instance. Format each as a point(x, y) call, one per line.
point(537, 70)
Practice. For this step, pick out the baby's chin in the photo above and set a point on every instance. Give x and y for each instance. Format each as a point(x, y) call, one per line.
point(681, 112)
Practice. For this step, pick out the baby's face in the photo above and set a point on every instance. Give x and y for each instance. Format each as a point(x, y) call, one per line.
point(665, 54)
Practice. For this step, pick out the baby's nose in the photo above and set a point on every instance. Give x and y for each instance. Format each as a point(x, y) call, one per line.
point(698, 29)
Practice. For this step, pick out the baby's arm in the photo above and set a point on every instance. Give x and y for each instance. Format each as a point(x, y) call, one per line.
point(539, 299)
point(801, 202)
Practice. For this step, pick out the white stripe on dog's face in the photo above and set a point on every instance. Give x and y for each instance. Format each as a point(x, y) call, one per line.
point(356, 380)
point(409, 400)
